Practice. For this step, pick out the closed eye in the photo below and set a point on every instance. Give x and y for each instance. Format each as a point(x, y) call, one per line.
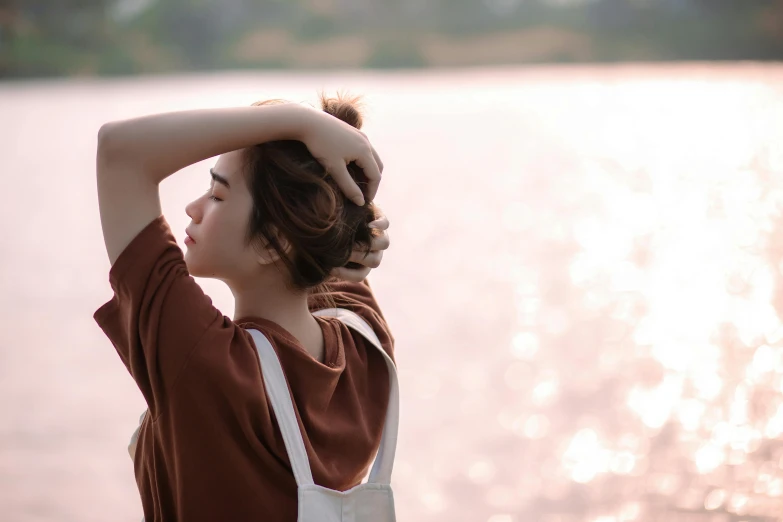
point(212, 196)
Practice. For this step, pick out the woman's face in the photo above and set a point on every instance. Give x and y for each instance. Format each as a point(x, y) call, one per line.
point(220, 217)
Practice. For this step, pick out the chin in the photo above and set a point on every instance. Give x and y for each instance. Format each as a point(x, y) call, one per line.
point(193, 267)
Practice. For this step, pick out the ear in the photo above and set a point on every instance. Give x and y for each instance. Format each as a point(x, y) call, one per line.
point(267, 254)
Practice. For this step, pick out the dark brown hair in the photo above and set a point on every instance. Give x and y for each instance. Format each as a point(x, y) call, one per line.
point(293, 196)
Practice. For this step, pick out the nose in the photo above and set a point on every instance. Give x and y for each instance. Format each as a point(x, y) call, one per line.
point(193, 210)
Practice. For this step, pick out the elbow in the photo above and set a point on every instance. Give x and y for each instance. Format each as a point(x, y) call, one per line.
point(108, 144)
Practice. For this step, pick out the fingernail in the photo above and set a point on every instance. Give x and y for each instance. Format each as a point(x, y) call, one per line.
point(359, 200)
point(374, 224)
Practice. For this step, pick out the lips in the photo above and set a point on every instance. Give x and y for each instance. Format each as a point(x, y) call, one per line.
point(189, 238)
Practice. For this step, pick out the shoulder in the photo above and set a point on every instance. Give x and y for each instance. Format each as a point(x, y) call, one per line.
point(374, 321)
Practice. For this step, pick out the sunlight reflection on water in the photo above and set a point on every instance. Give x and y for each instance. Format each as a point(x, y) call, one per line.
point(587, 312)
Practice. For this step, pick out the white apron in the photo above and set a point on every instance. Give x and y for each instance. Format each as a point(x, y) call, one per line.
point(372, 501)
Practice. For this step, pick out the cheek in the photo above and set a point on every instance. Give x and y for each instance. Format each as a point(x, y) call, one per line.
point(225, 233)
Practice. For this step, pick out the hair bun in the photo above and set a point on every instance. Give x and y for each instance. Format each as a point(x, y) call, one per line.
point(344, 107)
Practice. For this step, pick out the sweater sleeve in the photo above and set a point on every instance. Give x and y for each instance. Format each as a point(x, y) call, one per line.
point(158, 312)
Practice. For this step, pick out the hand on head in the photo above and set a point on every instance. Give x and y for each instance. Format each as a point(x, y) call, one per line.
point(360, 264)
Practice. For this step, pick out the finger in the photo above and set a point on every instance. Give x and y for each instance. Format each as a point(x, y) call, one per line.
point(377, 159)
point(372, 260)
point(380, 243)
point(382, 223)
point(356, 275)
point(339, 173)
point(367, 163)
point(375, 154)
point(372, 188)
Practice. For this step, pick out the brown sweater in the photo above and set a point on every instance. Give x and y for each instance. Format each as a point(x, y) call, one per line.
point(211, 448)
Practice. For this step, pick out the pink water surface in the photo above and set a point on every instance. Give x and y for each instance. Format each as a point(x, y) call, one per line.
point(584, 283)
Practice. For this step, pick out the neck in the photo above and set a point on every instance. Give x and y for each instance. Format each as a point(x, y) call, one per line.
point(268, 297)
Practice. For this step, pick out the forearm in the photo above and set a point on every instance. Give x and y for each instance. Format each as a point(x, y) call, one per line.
point(162, 144)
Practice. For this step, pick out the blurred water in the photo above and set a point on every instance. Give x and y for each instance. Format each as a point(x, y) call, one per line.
point(584, 283)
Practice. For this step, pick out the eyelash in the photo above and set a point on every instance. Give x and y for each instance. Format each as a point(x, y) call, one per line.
point(212, 196)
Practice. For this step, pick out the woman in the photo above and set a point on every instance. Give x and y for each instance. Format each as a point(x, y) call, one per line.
point(282, 218)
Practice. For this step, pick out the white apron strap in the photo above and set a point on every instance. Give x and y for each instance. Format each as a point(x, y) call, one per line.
point(280, 397)
point(384, 461)
point(277, 390)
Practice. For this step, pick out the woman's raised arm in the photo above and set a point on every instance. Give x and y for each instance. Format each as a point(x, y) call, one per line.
point(165, 143)
point(135, 155)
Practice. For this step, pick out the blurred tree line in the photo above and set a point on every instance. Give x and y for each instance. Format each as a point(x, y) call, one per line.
point(107, 37)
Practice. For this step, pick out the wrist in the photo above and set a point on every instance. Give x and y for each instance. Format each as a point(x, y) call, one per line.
point(294, 120)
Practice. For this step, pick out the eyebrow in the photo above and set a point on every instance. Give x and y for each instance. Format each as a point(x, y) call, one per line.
point(220, 179)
